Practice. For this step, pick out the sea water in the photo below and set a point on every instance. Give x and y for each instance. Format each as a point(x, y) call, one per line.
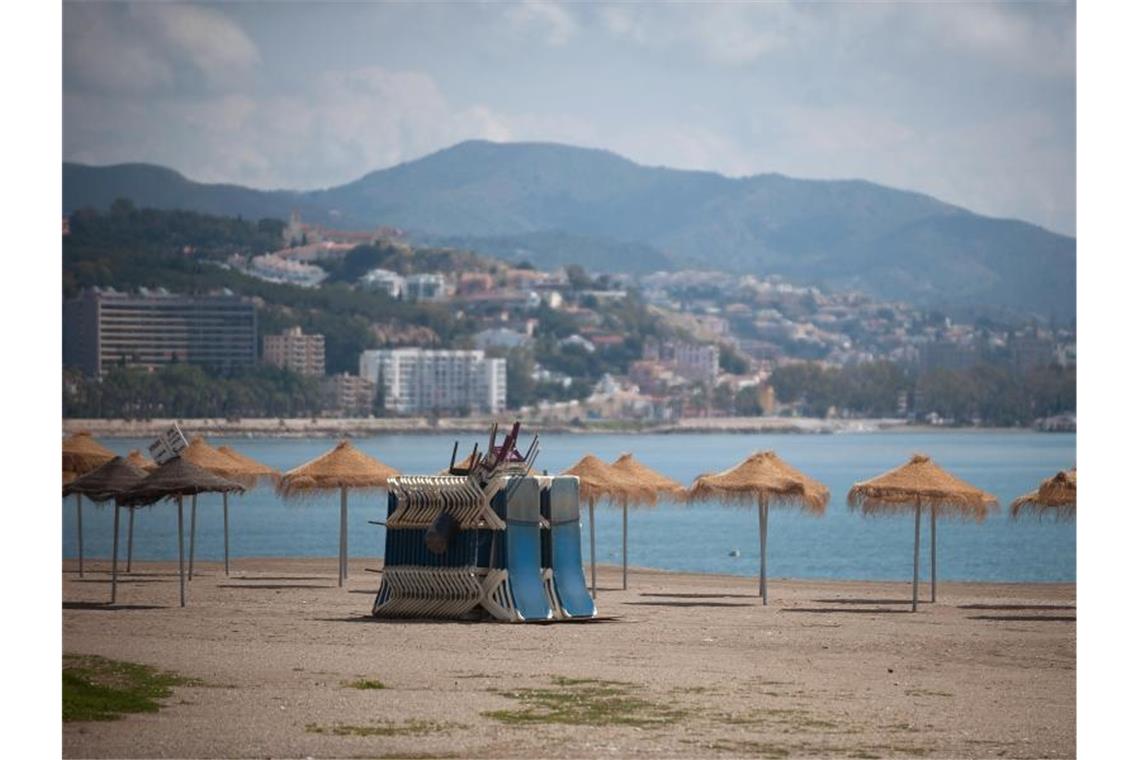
point(700, 538)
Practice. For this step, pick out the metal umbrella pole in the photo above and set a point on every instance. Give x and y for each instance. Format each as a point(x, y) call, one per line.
point(193, 530)
point(130, 535)
point(917, 529)
point(933, 553)
point(226, 527)
point(79, 527)
point(342, 574)
point(181, 571)
point(762, 508)
point(624, 552)
point(115, 556)
point(593, 564)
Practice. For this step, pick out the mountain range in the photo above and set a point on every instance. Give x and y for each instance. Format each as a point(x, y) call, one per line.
point(556, 204)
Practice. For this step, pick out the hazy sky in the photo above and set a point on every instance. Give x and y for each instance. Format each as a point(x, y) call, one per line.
point(973, 103)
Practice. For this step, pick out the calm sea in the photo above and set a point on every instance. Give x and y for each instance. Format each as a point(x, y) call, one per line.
point(842, 544)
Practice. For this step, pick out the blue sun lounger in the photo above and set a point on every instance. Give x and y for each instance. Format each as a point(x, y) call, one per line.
point(570, 589)
point(519, 501)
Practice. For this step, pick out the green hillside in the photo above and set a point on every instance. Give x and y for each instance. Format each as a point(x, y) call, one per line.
point(553, 204)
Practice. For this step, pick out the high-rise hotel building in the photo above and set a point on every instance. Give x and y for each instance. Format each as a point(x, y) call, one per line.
point(104, 329)
point(420, 381)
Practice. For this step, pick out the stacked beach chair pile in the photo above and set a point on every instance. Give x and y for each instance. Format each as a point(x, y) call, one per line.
point(487, 540)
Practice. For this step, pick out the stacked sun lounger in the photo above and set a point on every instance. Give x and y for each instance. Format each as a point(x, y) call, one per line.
point(489, 541)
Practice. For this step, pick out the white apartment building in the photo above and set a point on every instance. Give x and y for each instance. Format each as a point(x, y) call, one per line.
point(425, 287)
point(420, 381)
point(384, 281)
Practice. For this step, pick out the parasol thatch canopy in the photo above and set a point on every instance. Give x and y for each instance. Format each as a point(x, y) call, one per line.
point(763, 475)
point(82, 453)
point(178, 477)
point(208, 458)
point(1056, 495)
point(108, 481)
point(628, 465)
point(343, 467)
point(137, 458)
point(598, 480)
point(920, 480)
point(646, 476)
point(248, 466)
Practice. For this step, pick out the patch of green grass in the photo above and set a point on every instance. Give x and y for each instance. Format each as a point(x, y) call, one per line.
point(407, 728)
point(364, 683)
point(787, 719)
point(585, 702)
point(95, 688)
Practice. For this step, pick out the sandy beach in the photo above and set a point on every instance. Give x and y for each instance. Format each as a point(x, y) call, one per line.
point(698, 668)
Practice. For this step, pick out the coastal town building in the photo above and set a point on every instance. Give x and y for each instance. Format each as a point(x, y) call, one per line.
point(384, 281)
point(426, 287)
point(295, 351)
point(298, 232)
point(500, 337)
point(273, 267)
point(425, 381)
point(348, 395)
point(697, 362)
point(948, 355)
point(106, 328)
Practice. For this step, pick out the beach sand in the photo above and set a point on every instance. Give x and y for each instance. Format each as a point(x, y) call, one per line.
point(828, 669)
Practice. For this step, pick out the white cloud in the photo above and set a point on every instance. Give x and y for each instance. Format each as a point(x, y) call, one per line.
point(1043, 44)
point(334, 129)
point(98, 54)
point(725, 33)
point(152, 47)
point(203, 37)
point(548, 19)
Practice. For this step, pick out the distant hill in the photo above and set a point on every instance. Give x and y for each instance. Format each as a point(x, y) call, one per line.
point(553, 204)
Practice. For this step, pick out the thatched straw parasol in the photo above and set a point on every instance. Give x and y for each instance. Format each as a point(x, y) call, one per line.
point(81, 455)
point(249, 466)
point(176, 479)
point(1056, 495)
point(107, 482)
point(210, 459)
point(597, 481)
point(136, 458)
point(342, 468)
point(249, 471)
point(769, 480)
point(663, 486)
point(114, 477)
point(917, 483)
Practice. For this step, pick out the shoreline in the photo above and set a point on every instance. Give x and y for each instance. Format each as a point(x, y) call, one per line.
point(103, 565)
point(367, 427)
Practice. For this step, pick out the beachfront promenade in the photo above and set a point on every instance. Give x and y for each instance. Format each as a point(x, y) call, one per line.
point(828, 669)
